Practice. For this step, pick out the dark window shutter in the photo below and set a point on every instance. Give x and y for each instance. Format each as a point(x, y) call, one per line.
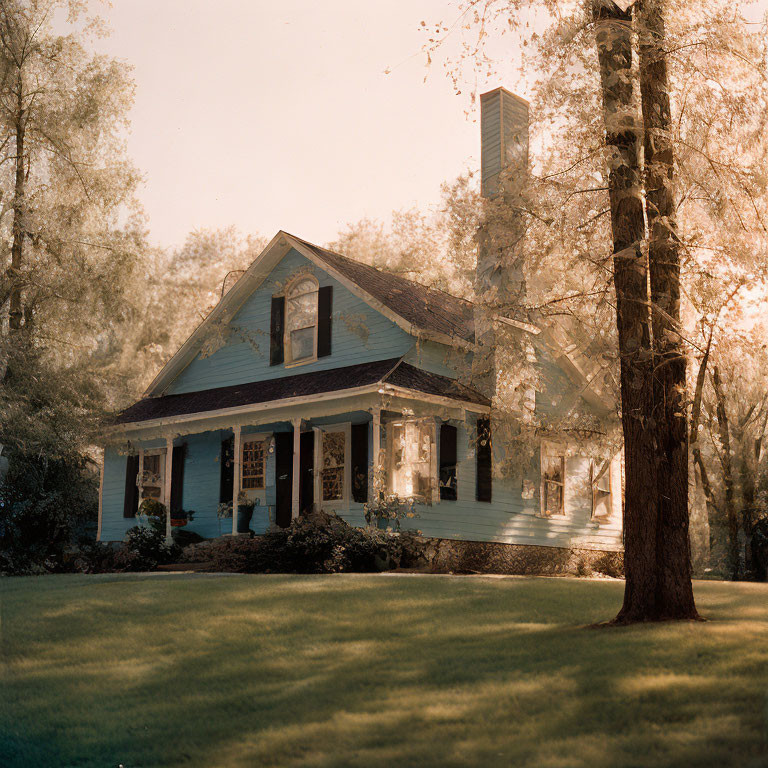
point(227, 477)
point(177, 478)
point(360, 462)
point(324, 312)
point(131, 501)
point(448, 437)
point(276, 329)
point(484, 460)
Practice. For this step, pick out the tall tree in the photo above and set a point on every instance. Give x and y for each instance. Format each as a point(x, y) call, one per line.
point(700, 190)
point(648, 594)
point(71, 235)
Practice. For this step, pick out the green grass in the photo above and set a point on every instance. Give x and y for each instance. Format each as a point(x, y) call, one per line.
point(373, 671)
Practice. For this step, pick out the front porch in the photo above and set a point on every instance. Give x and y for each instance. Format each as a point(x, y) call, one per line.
point(330, 451)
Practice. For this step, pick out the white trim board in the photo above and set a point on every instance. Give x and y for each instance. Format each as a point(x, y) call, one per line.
point(259, 408)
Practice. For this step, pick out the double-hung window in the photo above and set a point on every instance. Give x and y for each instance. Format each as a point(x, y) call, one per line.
point(301, 320)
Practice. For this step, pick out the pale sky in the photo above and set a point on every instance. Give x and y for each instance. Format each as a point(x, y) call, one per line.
point(278, 115)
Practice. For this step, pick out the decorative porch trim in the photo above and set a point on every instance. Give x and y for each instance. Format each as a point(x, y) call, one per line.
point(342, 394)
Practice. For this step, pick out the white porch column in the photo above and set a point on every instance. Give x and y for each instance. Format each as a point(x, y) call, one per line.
point(317, 467)
point(101, 493)
point(237, 455)
point(167, 487)
point(375, 453)
point(296, 468)
point(140, 477)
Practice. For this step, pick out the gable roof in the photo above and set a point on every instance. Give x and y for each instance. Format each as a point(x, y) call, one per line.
point(393, 372)
point(417, 309)
point(422, 306)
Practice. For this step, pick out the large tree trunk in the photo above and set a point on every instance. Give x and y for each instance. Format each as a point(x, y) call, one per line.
point(673, 556)
point(613, 29)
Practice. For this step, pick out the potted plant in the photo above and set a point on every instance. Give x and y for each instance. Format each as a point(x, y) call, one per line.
point(153, 512)
point(181, 517)
point(245, 507)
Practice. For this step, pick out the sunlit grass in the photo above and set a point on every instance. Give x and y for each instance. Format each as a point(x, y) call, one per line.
point(178, 670)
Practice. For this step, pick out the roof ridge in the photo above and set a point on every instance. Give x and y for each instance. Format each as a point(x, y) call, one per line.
point(380, 271)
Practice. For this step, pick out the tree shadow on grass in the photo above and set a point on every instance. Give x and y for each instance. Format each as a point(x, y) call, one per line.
point(370, 671)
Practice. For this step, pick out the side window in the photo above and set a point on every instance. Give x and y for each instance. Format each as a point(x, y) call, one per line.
point(552, 485)
point(301, 320)
point(601, 491)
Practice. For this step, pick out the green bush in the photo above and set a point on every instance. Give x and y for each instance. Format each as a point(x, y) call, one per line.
point(319, 543)
point(46, 506)
point(760, 549)
point(144, 549)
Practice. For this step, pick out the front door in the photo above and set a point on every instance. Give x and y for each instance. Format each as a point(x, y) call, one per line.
point(283, 477)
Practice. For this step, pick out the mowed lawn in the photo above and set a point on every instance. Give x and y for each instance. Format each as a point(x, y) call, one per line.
point(205, 670)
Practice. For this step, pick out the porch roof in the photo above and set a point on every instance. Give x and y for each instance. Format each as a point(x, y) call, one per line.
point(393, 372)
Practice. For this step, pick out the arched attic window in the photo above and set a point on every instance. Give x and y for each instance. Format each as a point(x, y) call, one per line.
point(301, 300)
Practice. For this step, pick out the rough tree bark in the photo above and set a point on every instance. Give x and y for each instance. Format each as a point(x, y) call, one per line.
point(674, 591)
point(613, 36)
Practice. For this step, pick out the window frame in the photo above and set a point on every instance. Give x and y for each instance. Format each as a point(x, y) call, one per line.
point(289, 360)
point(549, 453)
point(430, 425)
point(247, 440)
point(143, 454)
point(320, 432)
point(594, 479)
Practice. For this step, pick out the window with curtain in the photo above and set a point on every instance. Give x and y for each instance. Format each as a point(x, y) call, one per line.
point(410, 446)
point(601, 491)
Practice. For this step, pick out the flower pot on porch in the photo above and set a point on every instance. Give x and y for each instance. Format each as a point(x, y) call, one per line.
point(244, 515)
point(178, 522)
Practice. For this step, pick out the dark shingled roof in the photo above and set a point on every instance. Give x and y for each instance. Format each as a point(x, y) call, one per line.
point(392, 371)
point(423, 307)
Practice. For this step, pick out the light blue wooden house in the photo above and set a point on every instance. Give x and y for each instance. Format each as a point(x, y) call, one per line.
point(320, 382)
